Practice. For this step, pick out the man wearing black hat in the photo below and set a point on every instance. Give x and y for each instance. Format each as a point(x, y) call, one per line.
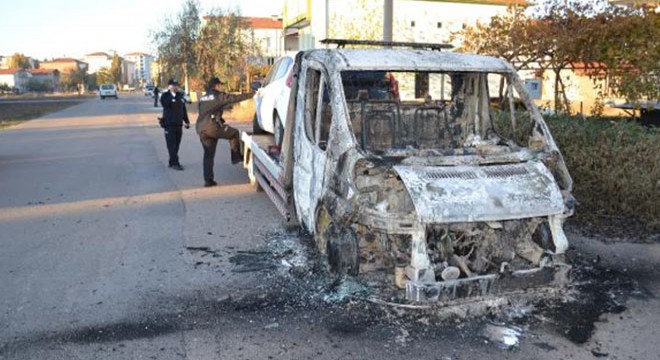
point(174, 116)
point(211, 126)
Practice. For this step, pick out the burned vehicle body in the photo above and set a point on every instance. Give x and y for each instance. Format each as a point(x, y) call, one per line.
point(439, 169)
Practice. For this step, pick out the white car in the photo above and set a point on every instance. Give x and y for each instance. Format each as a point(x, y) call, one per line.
point(108, 90)
point(272, 99)
point(149, 90)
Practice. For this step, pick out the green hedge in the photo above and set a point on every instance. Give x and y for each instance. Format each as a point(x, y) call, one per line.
point(615, 167)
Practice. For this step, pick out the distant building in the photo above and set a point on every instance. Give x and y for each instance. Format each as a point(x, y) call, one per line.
point(97, 61)
point(16, 79)
point(306, 22)
point(64, 65)
point(142, 67)
point(267, 35)
point(128, 72)
point(4, 62)
point(51, 78)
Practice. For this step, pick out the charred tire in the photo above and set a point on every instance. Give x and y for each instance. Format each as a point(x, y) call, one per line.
point(256, 129)
point(278, 130)
point(340, 245)
point(342, 251)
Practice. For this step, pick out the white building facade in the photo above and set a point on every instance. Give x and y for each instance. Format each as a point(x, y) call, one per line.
point(142, 67)
point(267, 35)
point(97, 60)
point(307, 22)
point(16, 79)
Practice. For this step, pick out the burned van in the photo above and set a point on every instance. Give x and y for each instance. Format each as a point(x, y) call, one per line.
point(432, 165)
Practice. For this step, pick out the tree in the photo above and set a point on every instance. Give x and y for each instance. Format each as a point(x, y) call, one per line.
point(103, 76)
point(176, 41)
point(507, 36)
point(36, 85)
point(74, 80)
point(91, 82)
point(626, 52)
point(224, 48)
point(19, 61)
point(115, 70)
point(560, 36)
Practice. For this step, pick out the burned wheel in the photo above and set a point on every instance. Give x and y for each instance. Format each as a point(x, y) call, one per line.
point(339, 244)
point(342, 251)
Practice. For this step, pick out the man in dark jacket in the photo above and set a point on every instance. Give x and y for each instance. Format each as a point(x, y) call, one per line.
point(211, 126)
point(174, 116)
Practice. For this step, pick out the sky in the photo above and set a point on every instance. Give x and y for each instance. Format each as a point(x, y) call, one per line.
point(45, 29)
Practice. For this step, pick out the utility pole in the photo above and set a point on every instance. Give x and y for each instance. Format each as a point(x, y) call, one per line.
point(387, 20)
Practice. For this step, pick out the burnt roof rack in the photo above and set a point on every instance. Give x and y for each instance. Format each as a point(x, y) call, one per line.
point(341, 43)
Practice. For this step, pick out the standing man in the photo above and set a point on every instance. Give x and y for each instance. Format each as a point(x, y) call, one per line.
point(156, 91)
point(211, 126)
point(174, 116)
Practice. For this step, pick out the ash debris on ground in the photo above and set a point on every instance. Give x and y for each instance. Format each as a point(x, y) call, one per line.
point(299, 280)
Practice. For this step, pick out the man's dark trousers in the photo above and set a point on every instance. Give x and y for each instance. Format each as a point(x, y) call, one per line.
point(209, 144)
point(173, 139)
point(209, 141)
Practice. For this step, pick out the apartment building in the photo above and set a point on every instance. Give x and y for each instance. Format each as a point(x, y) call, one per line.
point(143, 64)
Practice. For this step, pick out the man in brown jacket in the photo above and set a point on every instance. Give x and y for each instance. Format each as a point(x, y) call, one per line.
point(211, 126)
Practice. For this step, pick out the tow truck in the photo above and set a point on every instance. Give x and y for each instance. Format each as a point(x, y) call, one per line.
point(438, 169)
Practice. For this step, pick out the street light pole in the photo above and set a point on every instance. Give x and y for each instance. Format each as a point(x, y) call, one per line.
point(387, 20)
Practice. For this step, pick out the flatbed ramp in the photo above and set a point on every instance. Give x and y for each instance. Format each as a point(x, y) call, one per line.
point(261, 159)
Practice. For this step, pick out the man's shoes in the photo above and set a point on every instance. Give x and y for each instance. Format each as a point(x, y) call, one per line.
point(210, 183)
point(176, 167)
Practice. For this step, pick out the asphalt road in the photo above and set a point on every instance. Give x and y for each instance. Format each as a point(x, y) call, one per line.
point(108, 254)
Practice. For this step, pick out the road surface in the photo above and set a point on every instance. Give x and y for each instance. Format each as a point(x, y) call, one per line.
point(108, 254)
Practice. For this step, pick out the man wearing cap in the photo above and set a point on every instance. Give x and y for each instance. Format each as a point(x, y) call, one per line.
point(174, 116)
point(211, 126)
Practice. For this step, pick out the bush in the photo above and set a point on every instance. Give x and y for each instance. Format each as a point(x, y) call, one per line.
point(615, 167)
point(35, 85)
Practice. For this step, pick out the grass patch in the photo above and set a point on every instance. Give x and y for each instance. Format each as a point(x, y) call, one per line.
point(14, 113)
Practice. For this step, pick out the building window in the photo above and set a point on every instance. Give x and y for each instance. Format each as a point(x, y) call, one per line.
point(412, 23)
point(439, 25)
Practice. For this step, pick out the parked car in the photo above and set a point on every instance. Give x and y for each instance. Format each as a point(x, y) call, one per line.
point(108, 90)
point(149, 90)
point(272, 99)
